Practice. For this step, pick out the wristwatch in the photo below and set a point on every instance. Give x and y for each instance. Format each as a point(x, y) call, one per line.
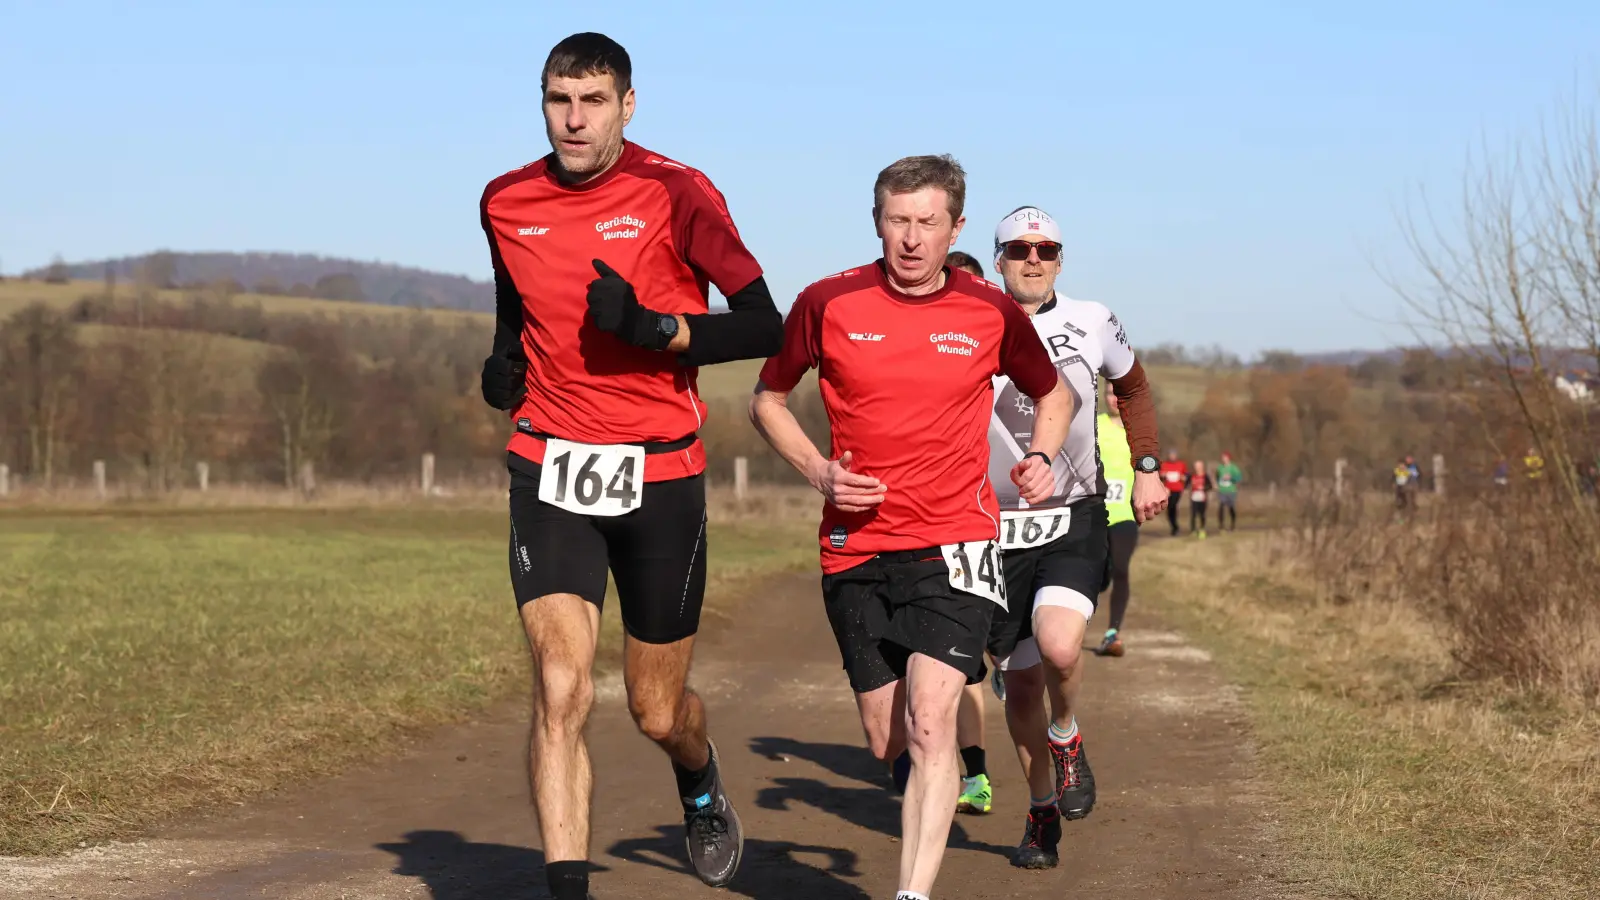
point(666, 330)
point(1147, 463)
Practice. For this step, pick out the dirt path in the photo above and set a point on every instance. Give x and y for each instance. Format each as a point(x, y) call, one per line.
point(450, 820)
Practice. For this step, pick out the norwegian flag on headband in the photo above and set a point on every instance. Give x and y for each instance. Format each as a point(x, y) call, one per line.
point(1033, 226)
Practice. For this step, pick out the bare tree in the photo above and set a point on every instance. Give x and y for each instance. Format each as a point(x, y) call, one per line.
point(1513, 284)
point(38, 356)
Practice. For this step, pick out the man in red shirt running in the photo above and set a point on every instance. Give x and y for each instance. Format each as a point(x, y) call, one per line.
point(906, 349)
point(1175, 475)
point(602, 254)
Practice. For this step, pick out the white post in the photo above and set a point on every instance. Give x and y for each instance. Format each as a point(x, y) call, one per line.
point(1272, 491)
point(202, 476)
point(1338, 477)
point(741, 478)
point(308, 478)
point(5, 480)
point(100, 479)
point(1438, 473)
point(427, 474)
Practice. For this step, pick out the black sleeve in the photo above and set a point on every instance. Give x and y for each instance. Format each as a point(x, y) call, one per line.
point(507, 309)
point(750, 329)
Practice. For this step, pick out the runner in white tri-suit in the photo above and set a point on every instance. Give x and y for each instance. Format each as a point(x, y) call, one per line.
point(1056, 553)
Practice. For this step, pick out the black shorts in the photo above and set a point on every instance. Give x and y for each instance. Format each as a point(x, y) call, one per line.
point(657, 553)
point(901, 603)
point(1079, 560)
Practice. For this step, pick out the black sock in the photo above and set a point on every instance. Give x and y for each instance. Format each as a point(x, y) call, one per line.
point(972, 758)
point(568, 879)
point(694, 784)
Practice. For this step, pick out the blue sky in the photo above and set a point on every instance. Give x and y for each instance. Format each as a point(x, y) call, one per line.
point(1226, 173)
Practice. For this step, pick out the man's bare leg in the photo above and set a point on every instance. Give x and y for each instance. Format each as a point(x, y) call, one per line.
point(561, 631)
point(662, 705)
point(1028, 724)
point(1059, 631)
point(883, 719)
point(933, 692)
point(969, 717)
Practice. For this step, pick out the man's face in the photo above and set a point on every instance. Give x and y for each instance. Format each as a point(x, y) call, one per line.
point(1226, 458)
point(583, 118)
point(1172, 456)
point(1113, 404)
point(917, 233)
point(1030, 280)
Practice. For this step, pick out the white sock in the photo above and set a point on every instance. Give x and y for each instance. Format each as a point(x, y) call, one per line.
point(910, 895)
point(1057, 736)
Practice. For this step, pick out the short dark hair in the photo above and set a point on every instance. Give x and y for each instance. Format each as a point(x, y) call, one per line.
point(588, 53)
point(962, 260)
point(912, 174)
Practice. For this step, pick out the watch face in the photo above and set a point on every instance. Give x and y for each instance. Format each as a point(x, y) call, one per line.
point(1148, 464)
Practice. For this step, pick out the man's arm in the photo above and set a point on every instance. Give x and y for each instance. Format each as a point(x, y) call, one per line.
point(1137, 404)
point(846, 490)
point(752, 328)
point(504, 381)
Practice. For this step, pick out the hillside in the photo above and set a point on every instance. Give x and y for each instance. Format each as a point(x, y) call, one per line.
point(295, 274)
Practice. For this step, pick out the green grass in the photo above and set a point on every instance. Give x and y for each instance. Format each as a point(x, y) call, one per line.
point(152, 663)
point(1391, 777)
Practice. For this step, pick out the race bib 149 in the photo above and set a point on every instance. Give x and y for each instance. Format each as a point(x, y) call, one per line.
point(975, 567)
point(592, 479)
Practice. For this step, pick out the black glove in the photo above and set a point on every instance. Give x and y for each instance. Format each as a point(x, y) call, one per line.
point(505, 379)
point(616, 309)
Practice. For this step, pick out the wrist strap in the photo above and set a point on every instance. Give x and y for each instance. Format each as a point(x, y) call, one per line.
point(1041, 455)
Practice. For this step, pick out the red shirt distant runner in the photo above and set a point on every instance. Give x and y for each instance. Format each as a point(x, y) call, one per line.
point(662, 226)
point(1174, 475)
point(906, 381)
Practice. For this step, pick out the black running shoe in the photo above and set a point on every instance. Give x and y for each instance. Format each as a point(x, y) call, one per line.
point(1074, 780)
point(1039, 839)
point(712, 833)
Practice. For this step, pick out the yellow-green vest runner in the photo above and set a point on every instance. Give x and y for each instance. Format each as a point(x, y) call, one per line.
point(1117, 463)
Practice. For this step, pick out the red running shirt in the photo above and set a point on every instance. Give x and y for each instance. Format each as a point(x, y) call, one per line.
point(1174, 475)
point(906, 382)
point(662, 226)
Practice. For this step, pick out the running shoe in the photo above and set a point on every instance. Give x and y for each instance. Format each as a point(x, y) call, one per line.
point(1074, 780)
point(976, 797)
point(712, 832)
point(997, 682)
point(1111, 646)
point(1039, 839)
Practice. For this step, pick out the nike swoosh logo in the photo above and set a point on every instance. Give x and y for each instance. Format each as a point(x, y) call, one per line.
point(955, 652)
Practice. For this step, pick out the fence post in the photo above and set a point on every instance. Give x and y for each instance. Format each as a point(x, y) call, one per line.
point(308, 478)
point(5, 480)
point(1272, 491)
point(1338, 477)
point(100, 479)
point(1438, 473)
point(427, 474)
point(741, 478)
point(202, 476)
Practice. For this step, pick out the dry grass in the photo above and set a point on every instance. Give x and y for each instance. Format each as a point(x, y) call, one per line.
point(1397, 778)
point(157, 660)
point(14, 295)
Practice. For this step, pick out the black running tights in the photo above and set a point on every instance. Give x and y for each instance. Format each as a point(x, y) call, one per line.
point(1197, 509)
point(1124, 539)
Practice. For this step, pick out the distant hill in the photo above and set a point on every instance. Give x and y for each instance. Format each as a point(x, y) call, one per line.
point(294, 274)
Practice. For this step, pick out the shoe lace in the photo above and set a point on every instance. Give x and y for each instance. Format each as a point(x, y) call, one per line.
point(709, 827)
point(1067, 759)
point(1032, 830)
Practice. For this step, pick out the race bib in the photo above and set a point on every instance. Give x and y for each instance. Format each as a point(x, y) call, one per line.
point(975, 567)
point(1021, 530)
point(1224, 482)
point(1400, 479)
point(1116, 491)
point(1198, 496)
point(592, 479)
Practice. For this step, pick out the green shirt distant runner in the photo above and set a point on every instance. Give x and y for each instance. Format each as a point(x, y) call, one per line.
point(1228, 478)
point(1117, 463)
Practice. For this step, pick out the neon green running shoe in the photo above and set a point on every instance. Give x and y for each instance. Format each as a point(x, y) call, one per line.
point(976, 798)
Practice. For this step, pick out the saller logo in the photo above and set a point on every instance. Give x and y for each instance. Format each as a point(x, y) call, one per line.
point(837, 537)
point(533, 231)
point(620, 227)
point(953, 342)
point(865, 336)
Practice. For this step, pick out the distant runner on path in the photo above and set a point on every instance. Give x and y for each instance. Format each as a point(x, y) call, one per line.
point(1175, 475)
point(1228, 480)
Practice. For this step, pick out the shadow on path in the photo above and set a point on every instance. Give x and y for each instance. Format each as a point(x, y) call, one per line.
point(454, 868)
point(771, 870)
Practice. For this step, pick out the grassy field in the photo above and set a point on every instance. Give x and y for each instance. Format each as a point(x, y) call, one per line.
point(153, 662)
point(1394, 778)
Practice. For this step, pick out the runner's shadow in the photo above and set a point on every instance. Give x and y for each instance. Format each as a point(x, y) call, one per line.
point(870, 808)
point(455, 868)
point(771, 870)
point(845, 760)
